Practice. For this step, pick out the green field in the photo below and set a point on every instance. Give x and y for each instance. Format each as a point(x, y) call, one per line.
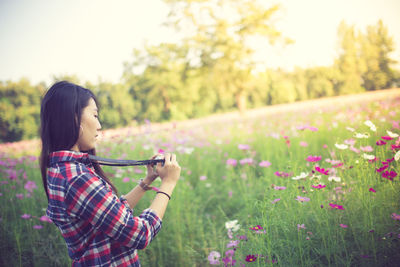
point(311, 187)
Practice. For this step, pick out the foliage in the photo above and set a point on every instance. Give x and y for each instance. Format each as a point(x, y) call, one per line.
point(300, 187)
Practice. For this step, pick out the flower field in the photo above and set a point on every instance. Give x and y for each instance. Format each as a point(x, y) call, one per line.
point(312, 187)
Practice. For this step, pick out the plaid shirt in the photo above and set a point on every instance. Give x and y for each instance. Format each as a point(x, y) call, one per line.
point(99, 228)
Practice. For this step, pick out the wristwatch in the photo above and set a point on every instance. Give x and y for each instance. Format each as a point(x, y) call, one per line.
point(144, 186)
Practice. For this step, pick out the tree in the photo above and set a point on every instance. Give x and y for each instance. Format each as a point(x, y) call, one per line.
point(217, 33)
point(349, 62)
point(376, 47)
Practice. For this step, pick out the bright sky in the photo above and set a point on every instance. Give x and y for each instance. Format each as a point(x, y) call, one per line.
point(92, 38)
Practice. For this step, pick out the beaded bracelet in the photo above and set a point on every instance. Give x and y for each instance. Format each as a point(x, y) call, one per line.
point(161, 192)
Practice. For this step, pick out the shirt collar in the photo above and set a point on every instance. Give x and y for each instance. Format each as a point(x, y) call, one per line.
point(68, 155)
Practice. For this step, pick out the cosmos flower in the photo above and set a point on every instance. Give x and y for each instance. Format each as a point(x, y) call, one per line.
point(301, 176)
point(391, 134)
point(213, 257)
point(343, 225)
point(251, 258)
point(302, 199)
point(233, 225)
point(319, 186)
point(361, 135)
point(313, 158)
point(380, 143)
point(232, 162)
point(372, 190)
point(300, 226)
point(341, 146)
point(368, 156)
point(321, 170)
point(371, 126)
point(335, 206)
point(264, 163)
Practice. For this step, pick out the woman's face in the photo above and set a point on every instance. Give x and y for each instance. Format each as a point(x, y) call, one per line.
point(89, 130)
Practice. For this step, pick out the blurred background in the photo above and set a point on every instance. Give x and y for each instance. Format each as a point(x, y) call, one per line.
point(175, 60)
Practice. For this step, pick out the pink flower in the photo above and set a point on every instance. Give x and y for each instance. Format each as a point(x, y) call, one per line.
point(304, 144)
point(126, 179)
point(350, 142)
point(387, 138)
point(243, 147)
point(300, 226)
point(37, 227)
point(264, 163)
point(282, 174)
point(321, 170)
point(233, 243)
point(380, 143)
point(313, 158)
point(343, 225)
point(319, 186)
point(366, 148)
point(25, 216)
point(213, 257)
point(256, 228)
point(19, 196)
point(44, 218)
point(372, 190)
point(302, 199)
point(275, 200)
point(231, 162)
point(246, 161)
point(30, 185)
point(203, 177)
point(335, 206)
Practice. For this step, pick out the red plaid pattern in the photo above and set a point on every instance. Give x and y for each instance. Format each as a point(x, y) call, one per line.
point(98, 227)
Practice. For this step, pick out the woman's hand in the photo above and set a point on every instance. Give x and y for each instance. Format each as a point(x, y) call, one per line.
point(151, 172)
point(170, 172)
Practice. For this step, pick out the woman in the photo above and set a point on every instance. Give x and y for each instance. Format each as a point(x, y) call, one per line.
point(98, 227)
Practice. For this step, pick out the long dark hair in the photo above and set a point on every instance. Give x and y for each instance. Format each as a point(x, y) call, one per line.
point(60, 120)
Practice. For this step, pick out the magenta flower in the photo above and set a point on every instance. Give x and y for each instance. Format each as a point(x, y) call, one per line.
point(19, 196)
point(313, 158)
point(389, 175)
point(282, 174)
point(335, 206)
point(279, 187)
point(37, 227)
point(232, 162)
point(321, 170)
point(302, 199)
point(264, 163)
point(395, 216)
point(256, 228)
point(213, 257)
point(319, 186)
point(382, 168)
point(387, 138)
point(372, 190)
point(343, 225)
point(251, 258)
point(380, 143)
point(125, 179)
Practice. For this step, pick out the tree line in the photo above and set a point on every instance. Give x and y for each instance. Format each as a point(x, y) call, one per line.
point(211, 70)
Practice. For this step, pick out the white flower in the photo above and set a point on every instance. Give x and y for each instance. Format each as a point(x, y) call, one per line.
point(233, 225)
point(334, 178)
point(393, 135)
point(350, 129)
point(368, 156)
point(301, 176)
point(397, 156)
point(318, 177)
point(371, 126)
point(341, 146)
point(360, 135)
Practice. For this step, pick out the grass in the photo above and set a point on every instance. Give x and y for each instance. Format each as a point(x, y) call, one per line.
point(212, 192)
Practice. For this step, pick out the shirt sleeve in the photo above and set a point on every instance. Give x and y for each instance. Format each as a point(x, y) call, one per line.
point(89, 199)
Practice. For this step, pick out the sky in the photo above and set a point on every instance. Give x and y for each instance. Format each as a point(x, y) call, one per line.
point(93, 38)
